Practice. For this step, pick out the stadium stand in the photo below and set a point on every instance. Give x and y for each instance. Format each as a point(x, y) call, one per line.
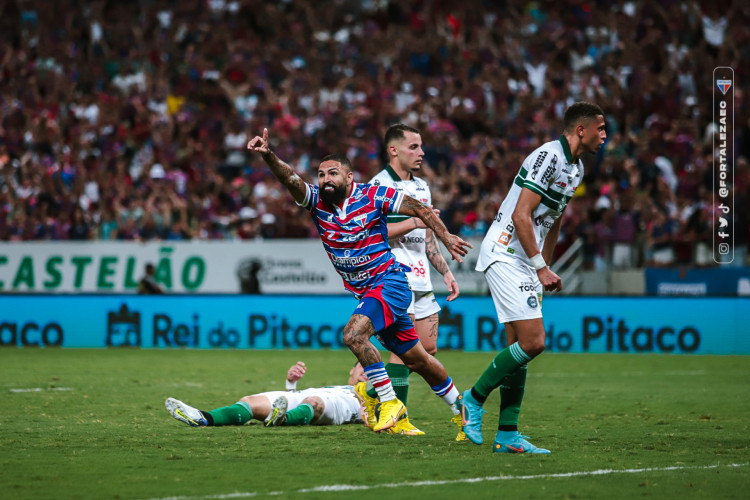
point(128, 120)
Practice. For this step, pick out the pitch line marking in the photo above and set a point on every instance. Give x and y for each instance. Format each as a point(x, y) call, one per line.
point(39, 389)
point(353, 487)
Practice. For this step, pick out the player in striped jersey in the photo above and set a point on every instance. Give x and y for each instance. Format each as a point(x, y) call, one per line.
point(514, 257)
point(351, 219)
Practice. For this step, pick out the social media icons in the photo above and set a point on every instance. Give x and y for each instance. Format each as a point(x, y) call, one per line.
point(723, 118)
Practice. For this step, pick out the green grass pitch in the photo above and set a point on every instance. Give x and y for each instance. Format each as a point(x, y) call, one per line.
point(79, 424)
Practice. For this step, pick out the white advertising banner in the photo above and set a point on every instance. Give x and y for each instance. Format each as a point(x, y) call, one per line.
point(288, 266)
point(276, 266)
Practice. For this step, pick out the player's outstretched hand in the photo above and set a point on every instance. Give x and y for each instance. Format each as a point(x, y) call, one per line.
point(296, 372)
point(259, 144)
point(457, 247)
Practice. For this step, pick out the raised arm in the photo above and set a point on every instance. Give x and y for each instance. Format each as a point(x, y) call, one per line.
point(283, 172)
point(455, 245)
point(295, 372)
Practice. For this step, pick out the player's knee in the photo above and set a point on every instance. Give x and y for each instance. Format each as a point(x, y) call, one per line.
point(317, 405)
point(349, 337)
point(534, 347)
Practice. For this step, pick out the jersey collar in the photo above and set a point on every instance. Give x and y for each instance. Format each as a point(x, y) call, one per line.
point(394, 175)
point(566, 149)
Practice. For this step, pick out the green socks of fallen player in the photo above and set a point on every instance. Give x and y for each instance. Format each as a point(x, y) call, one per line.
point(302, 415)
point(237, 414)
point(505, 363)
point(399, 375)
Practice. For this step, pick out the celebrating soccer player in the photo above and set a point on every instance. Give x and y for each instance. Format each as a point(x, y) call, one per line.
point(351, 219)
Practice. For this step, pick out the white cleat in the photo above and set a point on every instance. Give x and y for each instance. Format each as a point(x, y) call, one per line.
point(278, 412)
point(184, 413)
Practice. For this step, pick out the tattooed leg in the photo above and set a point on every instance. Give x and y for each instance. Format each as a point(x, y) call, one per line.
point(357, 333)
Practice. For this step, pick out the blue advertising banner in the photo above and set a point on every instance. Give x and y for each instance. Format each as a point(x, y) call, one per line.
point(713, 282)
point(573, 324)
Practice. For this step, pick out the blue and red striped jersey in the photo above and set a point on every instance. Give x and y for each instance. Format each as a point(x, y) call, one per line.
point(355, 234)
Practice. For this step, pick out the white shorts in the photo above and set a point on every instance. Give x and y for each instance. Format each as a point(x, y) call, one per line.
point(516, 291)
point(341, 406)
point(423, 305)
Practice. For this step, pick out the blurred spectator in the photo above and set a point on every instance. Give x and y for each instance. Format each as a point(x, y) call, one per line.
point(148, 284)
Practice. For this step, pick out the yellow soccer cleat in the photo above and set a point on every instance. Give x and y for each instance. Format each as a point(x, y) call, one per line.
point(367, 405)
point(388, 414)
point(459, 422)
point(405, 428)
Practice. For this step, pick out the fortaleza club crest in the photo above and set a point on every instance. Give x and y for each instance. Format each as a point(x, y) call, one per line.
point(360, 220)
point(724, 85)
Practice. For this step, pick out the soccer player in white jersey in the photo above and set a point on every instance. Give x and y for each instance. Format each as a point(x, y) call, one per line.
point(333, 405)
point(514, 258)
point(414, 245)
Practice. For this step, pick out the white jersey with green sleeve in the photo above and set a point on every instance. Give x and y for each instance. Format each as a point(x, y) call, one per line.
point(409, 249)
point(549, 172)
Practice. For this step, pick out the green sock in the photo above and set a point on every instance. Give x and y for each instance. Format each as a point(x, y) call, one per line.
point(505, 363)
point(237, 414)
point(302, 415)
point(511, 396)
point(399, 375)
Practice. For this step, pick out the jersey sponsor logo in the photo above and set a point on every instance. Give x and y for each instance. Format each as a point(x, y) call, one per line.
point(412, 239)
point(382, 198)
point(362, 275)
point(562, 184)
point(550, 170)
point(544, 222)
point(347, 238)
point(348, 260)
point(499, 216)
point(526, 286)
point(538, 164)
point(376, 182)
point(504, 238)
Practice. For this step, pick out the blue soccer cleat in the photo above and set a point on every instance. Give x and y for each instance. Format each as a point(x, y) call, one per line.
point(471, 417)
point(517, 444)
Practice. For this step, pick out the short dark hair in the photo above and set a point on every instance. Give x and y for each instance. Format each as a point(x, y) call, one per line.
point(341, 158)
point(396, 132)
point(579, 111)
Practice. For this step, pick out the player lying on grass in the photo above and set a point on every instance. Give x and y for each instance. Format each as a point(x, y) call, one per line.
point(334, 405)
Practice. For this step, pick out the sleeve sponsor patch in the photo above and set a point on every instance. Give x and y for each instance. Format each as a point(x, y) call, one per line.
point(538, 163)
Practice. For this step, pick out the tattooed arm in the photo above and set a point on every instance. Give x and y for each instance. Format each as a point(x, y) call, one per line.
point(455, 245)
point(432, 249)
point(283, 172)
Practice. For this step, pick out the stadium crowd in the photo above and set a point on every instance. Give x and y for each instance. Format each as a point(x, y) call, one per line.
point(129, 120)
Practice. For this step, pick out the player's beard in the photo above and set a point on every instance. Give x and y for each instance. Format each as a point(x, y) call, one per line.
point(335, 197)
